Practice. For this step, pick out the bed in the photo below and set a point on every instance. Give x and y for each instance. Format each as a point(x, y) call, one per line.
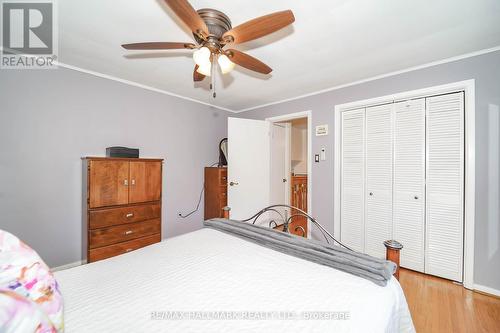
point(210, 281)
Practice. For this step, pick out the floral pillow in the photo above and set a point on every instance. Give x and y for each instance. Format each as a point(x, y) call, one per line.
point(22, 271)
point(20, 314)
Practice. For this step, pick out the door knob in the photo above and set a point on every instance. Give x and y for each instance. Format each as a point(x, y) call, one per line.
point(416, 197)
point(233, 183)
point(371, 193)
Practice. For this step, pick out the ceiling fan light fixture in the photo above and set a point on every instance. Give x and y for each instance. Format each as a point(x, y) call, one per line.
point(213, 31)
point(225, 64)
point(205, 69)
point(202, 56)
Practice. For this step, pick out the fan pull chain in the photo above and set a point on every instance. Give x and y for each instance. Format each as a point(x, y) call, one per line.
point(212, 78)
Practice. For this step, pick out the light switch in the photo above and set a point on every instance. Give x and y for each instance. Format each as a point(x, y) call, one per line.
point(316, 158)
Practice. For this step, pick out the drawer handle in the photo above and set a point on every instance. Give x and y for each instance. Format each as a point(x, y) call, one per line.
point(125, 182)
point(130, 215)
point(133, 182)
point(128, 250)
point(128, 232)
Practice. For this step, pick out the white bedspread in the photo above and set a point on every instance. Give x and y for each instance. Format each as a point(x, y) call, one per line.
point(210, 271)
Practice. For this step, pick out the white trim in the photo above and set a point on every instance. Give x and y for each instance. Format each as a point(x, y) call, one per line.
point(487, 290)
point(381, 76)
point(70, 265)
point(470, 110)
point(288, 159)
point(373, 78)
point(139, 85)
point(470, 182)
point(308, 115)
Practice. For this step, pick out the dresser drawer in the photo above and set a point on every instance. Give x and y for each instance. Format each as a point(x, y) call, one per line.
point(117, 216)
point(122, 233)
point(120, 248)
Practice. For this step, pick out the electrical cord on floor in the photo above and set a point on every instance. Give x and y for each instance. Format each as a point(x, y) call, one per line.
point(199, 199)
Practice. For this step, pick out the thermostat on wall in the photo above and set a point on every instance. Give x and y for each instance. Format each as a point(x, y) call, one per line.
point(321, 130)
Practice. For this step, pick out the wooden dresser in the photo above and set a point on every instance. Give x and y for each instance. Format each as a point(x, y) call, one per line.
point(215, 192)
point(123, 200)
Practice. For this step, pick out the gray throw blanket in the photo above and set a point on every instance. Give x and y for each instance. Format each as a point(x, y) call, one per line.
point(376, 270)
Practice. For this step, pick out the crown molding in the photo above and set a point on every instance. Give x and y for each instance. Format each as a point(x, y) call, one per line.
point(139, 85)
point(132, 83)
point(373, 78)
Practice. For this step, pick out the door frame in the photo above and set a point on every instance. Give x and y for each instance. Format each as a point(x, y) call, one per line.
point(468, 86)
point(288, 130)
point(296, 115)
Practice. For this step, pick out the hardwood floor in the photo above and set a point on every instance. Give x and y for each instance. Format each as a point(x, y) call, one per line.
point(439, 305)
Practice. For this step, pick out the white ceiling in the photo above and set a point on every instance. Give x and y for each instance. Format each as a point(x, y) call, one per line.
point(331, 43)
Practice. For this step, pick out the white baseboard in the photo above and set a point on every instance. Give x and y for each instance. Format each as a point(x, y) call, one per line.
point(487, 290)
point(70, 265)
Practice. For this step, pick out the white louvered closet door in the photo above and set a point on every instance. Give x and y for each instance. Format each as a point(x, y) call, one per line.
point(445, 179)
point(352, 178)
point(409, 181)
point(378, 192)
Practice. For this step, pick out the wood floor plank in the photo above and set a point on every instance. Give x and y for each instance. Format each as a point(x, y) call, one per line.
point(439, 305)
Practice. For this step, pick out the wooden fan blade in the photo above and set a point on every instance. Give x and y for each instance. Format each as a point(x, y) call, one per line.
point(197, 76)
point(260, 27)
point(158, 46)
point(247, 61)
point(188, 15)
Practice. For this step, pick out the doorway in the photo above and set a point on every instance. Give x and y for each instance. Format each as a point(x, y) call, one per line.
point(291, 167)
point(251, 178)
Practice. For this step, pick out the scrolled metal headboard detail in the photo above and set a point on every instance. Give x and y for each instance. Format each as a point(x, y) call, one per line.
point(287, 220)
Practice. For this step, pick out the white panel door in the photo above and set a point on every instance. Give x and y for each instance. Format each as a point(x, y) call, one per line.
point(248, 166)
point(445, 179)
point(352, 192)
point(378, 191)
point(409, 182)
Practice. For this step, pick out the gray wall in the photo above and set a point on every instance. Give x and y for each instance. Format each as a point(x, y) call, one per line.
point(486, 70)
point(49, 119)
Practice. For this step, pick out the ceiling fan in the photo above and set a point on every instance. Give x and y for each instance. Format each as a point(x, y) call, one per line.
point(212, 31)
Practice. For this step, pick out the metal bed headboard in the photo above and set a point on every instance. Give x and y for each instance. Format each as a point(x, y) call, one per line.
point(297, 212)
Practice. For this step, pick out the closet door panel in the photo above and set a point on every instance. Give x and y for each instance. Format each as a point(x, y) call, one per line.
point(378, 192)
point(352, 178)
point(445, 179)
point(409, 181)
